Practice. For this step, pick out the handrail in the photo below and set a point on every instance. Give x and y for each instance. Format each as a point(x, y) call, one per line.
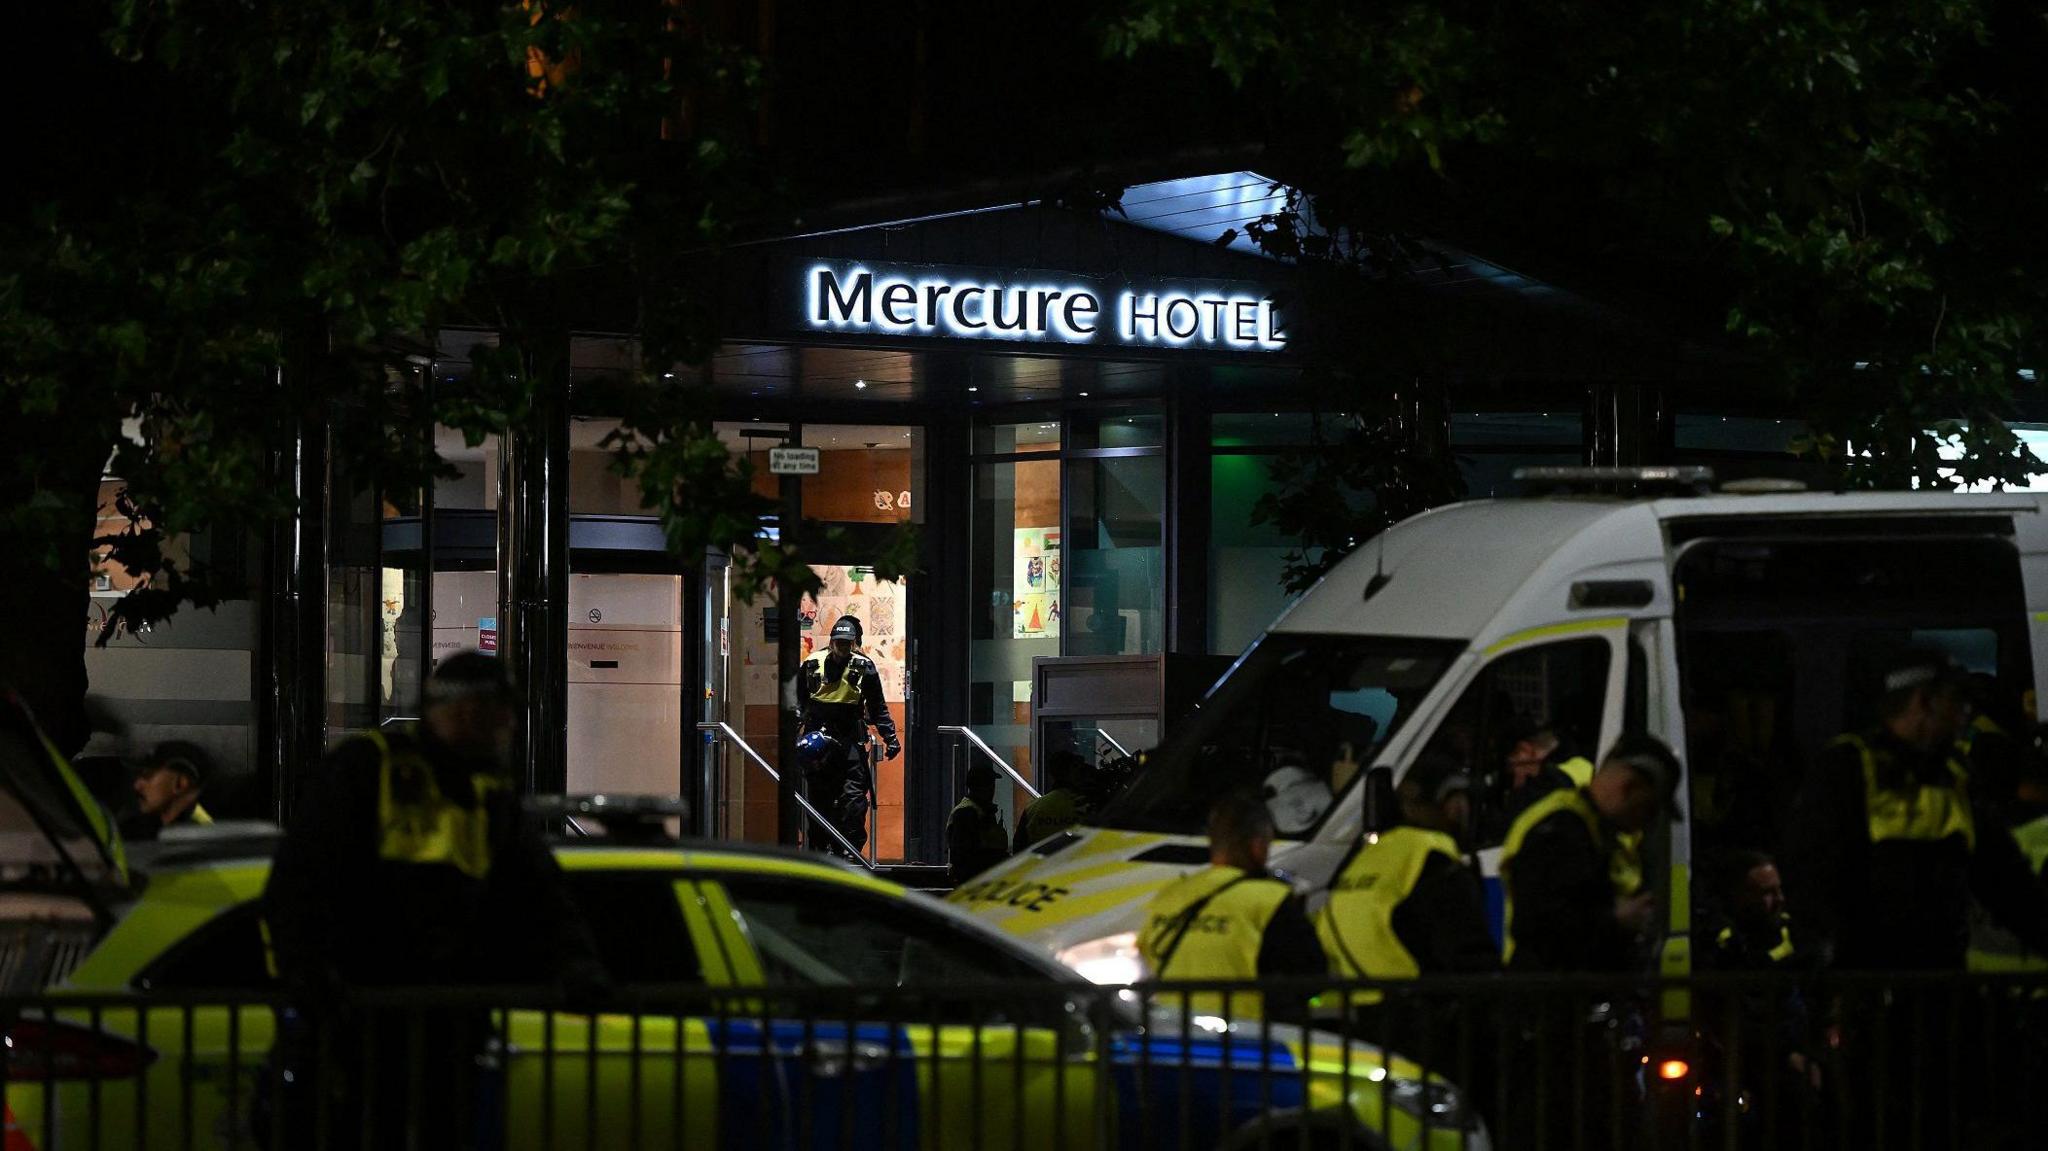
point(1120, 748)
point(977, 741)
point(719, 725)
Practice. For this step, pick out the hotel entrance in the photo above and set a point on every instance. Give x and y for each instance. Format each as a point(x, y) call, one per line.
point(862, 503)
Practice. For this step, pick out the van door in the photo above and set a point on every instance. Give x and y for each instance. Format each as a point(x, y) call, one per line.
point(61, 861)
point(1543, 698)
point(1785, 625)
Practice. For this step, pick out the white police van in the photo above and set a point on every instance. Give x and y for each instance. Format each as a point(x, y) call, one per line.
point(1744, 629)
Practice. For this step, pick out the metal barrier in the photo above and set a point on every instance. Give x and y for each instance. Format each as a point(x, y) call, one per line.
point(1541, 1062)
point(981, 745)
point(818, 817)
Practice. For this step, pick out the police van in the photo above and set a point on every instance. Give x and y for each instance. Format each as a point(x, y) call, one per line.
point(1746, 629)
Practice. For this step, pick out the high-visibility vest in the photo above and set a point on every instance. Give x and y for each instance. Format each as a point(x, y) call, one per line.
point(845, 689)
point(1919, 813)
point(1992, 948)
point(1625, 864)
point(1046, 816)
point(1209, 926)
point(1573, 801)
point(1356, 924)
point(416, 823)
point(1779, 952)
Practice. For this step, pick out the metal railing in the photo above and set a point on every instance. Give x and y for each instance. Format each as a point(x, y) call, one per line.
point(818, 817)
point(1112, 741)
point(1466, 1063)
point(982, 746)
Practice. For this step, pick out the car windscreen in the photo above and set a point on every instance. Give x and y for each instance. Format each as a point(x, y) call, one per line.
point(1299, 718)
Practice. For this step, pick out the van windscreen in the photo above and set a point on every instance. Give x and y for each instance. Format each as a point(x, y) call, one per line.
point(1299, 718)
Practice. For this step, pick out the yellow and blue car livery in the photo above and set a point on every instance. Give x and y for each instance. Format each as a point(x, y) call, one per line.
point(731, 919)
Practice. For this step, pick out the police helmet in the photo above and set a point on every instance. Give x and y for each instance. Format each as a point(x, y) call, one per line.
point(1296, 797)
point(815, 747)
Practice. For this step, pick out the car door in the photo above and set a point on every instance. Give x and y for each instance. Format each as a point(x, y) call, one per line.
point(656, 1079)
point(939, 1065)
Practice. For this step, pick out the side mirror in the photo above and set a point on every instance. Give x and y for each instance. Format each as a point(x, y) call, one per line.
point(1382, 807)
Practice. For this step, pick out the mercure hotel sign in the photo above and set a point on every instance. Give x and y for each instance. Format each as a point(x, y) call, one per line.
point(944, 302)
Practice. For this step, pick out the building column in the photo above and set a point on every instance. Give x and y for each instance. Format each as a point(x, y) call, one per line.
point(1603, 425)
point(1187, 513)
point(533, 568)
point(941, 635)
point(291, 675)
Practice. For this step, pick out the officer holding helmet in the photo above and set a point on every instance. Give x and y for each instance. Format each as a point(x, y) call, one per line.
point(839, 693)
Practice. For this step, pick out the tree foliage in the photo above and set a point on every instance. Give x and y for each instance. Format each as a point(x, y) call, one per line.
point(224, 189)
point(1849, 195)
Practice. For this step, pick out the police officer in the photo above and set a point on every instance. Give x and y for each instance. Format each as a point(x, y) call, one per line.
point(1062, 806)
point(1892, 844)
point(1572, 906)
point(408, 863)
point(840, 693)
point(975, 840)
point(1569, 907)
point(167, 791)
point(1231, 920)
point(1405, 904)
point(1893, 847)
point(1772, 1038)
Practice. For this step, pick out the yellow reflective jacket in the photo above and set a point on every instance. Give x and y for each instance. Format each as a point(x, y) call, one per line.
point(1210, 926)
point(1356, 924)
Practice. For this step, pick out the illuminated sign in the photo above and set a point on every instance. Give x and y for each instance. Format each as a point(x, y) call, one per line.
point(933, 301)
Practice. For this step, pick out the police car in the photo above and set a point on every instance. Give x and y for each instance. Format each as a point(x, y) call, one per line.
point(1728, 623)
point(183, 924)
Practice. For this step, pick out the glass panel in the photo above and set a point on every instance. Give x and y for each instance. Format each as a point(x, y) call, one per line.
point(1096, 739)
point(867, 474)
point(1492, 476)
point(812, 935)
point(1115, 578)
point(1116, 430)
point(1245, 559)
point(1006, 439)
point(1017, 606)
point(1735, 434)
point(403, 616)
point(1300, 715)
point(465, 612)
point(638, 927)
point(594, 487)
point(474, 486)
point(1558, 428)
point(1272, 429)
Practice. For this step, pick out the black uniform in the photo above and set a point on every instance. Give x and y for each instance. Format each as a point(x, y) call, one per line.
point(843, 698)
point(1901, 900)
point(406, 865)
point(975, 840)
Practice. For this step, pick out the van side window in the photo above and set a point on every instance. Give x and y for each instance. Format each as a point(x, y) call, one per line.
point(1528, 713)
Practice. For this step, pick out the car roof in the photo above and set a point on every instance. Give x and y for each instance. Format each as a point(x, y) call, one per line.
point(254, 844)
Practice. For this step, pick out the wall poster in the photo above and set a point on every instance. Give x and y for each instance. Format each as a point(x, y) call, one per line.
point(1035, 597)
point(880, 607)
